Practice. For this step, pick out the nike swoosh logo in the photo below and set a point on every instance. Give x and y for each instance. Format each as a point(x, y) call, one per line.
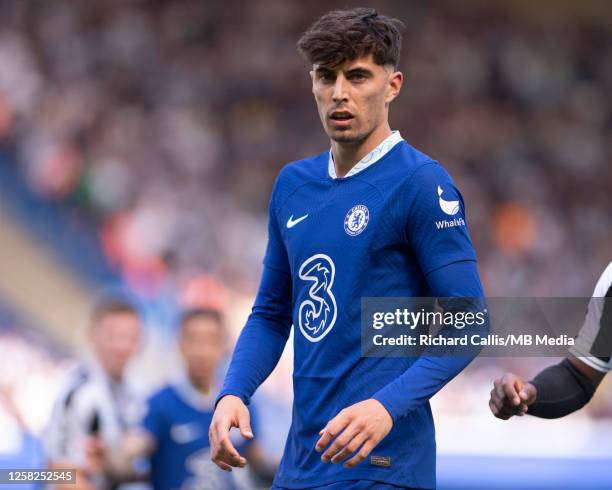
point(292, 222)
point(185, 433)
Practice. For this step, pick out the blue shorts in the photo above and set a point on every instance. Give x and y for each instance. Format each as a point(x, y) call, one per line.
point(352, 485)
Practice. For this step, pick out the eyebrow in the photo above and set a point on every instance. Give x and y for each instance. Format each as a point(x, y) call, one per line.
point(324, 69)
point(358, 70)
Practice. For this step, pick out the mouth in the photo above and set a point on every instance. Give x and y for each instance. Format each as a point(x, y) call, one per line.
point(341, 118)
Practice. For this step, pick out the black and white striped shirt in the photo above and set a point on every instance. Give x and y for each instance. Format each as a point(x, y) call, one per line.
point(90, 403)
point(594, 343)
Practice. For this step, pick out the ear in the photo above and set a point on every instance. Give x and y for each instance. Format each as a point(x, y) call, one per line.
point(396, 79)
point(312, 78)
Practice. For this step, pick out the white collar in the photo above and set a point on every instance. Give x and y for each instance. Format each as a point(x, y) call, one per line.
point(194, 397)
point(371, 158)
point(94, 368)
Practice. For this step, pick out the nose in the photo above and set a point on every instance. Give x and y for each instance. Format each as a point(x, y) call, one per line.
point(340, 90)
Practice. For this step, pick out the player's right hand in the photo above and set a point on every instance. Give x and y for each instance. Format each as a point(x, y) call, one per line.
point(511, 395)
point(230, 412)
point(95, 455)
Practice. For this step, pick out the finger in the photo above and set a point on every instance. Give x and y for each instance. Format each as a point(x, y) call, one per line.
point(213, 437)
point(499, 397)
point(228, 454)
point(493, 408)
point(223, 449)
point(499, 413)
point(509, 412)
point(331, 430)
point(528, 393)
point(342, 440)
point(222, 465)
point(216, 447)
point(509, 388)
point(499, 390)
point(497, 401)
point(495, 397)
point(350, 448)
point(506, 408)
point(324, 440)
point(244, 424)
point(361, 455)
point(504, 405)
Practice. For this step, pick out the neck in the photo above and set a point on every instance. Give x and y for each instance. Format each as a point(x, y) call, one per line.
point(115, 377)
point(203, 386)
point(346, 155)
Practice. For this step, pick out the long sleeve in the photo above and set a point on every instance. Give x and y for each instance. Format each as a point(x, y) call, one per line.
point(429, 373)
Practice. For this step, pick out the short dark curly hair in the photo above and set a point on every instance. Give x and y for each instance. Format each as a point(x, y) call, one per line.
point(345, 35)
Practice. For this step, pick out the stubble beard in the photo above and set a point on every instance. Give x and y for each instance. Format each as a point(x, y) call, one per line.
point(348, 136)
point(345, 139)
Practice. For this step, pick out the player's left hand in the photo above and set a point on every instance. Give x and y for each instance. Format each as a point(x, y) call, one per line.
point(361, 427)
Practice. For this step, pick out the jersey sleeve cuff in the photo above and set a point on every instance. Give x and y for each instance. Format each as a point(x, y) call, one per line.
point(385, 400)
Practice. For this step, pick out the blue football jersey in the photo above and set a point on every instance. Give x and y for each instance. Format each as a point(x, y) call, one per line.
point(178, 418)
point(382, 230)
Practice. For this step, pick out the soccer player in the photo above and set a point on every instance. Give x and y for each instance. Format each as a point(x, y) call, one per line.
point(173, 434)
point(371, 217)
point(98, 398)
point(568, 386)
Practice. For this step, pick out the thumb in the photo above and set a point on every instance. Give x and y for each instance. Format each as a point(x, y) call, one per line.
point(528, 393)
point(244, 424)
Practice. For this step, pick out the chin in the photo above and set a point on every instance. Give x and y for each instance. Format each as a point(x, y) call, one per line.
point(345, 137)
point(348, 140)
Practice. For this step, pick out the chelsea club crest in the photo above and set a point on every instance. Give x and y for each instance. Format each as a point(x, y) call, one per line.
point(356, 220)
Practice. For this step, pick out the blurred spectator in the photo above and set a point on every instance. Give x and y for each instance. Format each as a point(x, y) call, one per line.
point(98, 400)
point(167, 122)
point(174, 431)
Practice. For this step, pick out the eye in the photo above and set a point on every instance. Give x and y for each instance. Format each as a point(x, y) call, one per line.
point(326, 76)
point(358, 77)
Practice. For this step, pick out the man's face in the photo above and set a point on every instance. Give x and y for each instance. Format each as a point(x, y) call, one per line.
point(116, 338)
point(353, 99)
point(202, 346)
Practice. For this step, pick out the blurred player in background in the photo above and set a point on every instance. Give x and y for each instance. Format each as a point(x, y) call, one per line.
point(568, 386)
point(174, 433)
point(373, 217)
point(98, 399)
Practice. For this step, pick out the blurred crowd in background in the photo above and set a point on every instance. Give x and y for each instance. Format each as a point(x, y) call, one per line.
point(167, 122)
point(164, 124)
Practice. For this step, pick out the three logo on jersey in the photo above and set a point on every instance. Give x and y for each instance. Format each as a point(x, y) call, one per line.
point(317, 314)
